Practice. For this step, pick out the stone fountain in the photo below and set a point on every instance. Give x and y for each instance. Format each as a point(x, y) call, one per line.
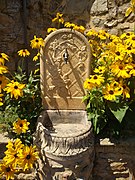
point(64, 135)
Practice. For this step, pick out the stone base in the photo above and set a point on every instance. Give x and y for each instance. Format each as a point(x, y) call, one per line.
point(79, 167)
point(67, 149)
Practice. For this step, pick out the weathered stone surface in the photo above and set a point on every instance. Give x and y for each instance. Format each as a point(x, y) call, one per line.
point(27, 175)
point(99, 7)
point(113, 23)
point(67, 148)
point(114, 160)
point(62, 81)
point(3, 142)
point(76, 7)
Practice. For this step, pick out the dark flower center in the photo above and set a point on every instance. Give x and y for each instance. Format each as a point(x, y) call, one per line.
point(0, 82)
point(119, 89)
point(120, 67)
point(124, 87)
point(110, 39)
point(95, 77)
point(129, 48)
point(8, 169)
point(117, 53)
point(37, 40)
point(21, 125)
point(15, 87)
point(15, 156)
point(128, 34)
point(28, 156)
point(111, 92)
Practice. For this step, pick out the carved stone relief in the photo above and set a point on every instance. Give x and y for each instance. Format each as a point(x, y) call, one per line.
point(68, 149)
point(62, 82)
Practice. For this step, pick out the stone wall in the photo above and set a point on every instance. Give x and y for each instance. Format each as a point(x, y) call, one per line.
point(114, 160)
point(110, 15)
point(20, 21)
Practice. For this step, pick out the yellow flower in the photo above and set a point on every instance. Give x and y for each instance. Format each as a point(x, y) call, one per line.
point(96, 79)
point(110, 92)
point(116, 51)
point(130, 50)
point(111, 46)
point(120, 70)
point(12, 152)
point(37, 43)
point(15, 88)
point(58, 18)
point(92, 32)
point(115, 39)
point(3, 69)
point(36, 71)
point(3, 82)
point(100, 70)
point(1, 103)
point(126, 35)
point(131, 9)
point(117, 87)
point(27, 157)
point(69, 25)
point(49, 30)
point(11, 157)
point(16, 144)
point(79, 28)
point(88, 85)
point(23, 52)
point(103, 35)
point(132, 70)
point(20, 126)
point(7, 170)
point(3, 57)
point(126, 91)
point(36, 57)
point(131, 41)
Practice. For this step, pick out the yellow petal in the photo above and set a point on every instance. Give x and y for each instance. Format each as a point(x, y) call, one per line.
point(133, 2)
point(128, 11)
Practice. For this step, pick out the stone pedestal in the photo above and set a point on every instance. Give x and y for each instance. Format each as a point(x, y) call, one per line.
point(66, 145)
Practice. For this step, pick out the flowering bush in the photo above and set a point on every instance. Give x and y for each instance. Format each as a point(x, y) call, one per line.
point(20, 105)
point(111, 87)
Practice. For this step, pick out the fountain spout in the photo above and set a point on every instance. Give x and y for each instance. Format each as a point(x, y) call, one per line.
point(65, 56)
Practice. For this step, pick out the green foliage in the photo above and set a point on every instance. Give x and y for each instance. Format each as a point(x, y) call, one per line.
point(118, 110)
point(29, 106)
point(111, 86)
point(7, 117)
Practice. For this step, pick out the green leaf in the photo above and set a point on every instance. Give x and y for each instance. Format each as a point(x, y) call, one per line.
point(85, 98)
point(119, 112)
